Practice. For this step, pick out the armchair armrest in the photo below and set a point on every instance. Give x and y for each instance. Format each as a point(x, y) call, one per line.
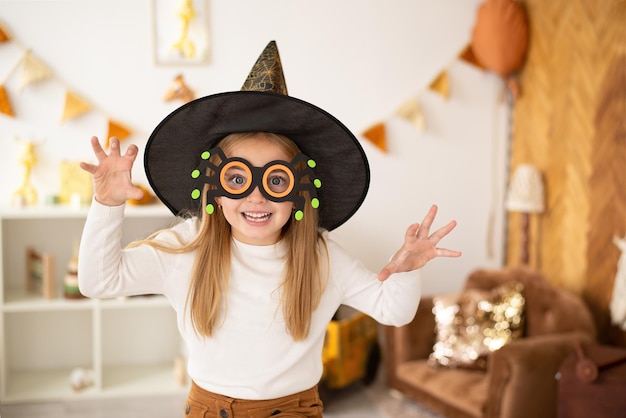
point(412, 341)
point(522, 375)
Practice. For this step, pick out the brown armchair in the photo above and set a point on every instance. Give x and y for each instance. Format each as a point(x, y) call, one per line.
point(519, 381)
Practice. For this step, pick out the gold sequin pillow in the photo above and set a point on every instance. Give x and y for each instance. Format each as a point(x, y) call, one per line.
point(475, 323)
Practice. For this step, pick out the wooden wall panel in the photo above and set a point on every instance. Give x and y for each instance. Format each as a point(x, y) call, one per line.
point(570, 123)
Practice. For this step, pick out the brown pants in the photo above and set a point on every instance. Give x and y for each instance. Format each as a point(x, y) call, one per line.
point(204, 404)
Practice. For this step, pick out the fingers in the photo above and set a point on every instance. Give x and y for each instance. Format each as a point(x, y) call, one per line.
point(424, 229)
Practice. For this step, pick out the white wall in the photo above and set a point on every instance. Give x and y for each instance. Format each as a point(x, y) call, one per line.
point(358, 59)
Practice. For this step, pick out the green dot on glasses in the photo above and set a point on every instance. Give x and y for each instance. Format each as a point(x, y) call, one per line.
point(210, 209)
point(317, 183)
point(195, 194)
point(311, 163)
point(298, 215)
point(195, 173)
point(205, 155)
point(315, 202)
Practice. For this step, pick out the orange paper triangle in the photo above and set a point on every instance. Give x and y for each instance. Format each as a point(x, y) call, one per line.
point(33, 70)
point(74, 106)
point(441, 84)
point(468, 56)
point(4, 37)
point(118, 130)
point(376, 134)
point(5, 104)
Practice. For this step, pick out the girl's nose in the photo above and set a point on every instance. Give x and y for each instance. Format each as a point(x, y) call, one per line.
point(256, 196)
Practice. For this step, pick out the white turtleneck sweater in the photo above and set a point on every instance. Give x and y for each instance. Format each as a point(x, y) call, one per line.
point(250, 356)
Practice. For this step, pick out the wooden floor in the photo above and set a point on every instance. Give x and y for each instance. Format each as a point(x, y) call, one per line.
point(357, 401)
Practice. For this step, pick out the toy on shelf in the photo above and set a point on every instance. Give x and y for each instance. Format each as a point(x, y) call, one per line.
point(26, 194)
point(40, 273)
point(81, 379)
point(185, 46)
point(70, 283)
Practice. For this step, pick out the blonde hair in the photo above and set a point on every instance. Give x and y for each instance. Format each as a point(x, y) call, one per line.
point(304, 277)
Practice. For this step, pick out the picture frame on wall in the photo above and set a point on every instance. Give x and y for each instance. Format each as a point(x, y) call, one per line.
point(180, 32)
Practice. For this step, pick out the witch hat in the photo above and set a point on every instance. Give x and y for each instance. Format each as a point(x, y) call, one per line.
point(262, 105)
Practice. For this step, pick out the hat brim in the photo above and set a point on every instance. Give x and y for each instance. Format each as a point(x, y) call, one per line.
point(174, 148)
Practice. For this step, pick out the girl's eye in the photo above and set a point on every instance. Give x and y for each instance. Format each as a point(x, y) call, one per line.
point(278, 182)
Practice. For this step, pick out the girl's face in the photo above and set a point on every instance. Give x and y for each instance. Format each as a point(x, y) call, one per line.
point(254, 219)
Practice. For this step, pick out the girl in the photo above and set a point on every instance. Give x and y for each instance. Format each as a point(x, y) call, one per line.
point(250, 269)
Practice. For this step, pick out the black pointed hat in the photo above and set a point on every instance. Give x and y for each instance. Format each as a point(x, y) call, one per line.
point(262, 105)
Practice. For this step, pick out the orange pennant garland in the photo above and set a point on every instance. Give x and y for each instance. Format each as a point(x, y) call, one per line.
point(4, 37)
point(5, 104)
point(116, 130)
point(441, 84)
point(377, 135)
point(74, 106)
point(468, 56)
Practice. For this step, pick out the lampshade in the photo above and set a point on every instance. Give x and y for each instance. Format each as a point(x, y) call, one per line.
point(525, 192)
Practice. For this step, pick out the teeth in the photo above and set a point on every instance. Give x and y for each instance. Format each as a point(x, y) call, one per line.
point(257, 217)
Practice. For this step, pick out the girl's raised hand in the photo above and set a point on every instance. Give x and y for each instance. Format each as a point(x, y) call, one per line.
point(419, 247)
point(112, 175)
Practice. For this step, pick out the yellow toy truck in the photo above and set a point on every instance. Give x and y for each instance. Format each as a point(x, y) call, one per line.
point(351, 349)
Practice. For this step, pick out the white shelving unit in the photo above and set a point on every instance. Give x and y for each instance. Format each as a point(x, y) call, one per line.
point(130, 343)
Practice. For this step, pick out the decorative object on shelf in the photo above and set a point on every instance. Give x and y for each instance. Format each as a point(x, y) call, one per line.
point(525, 195)
point(26, 194)
point(181, 31)
point(148, 197)
point(40, 274)
point(76, 184)
point(179, 90)
point(81, 379)
point(70, 283)
point(617, 305)
point(34, 71)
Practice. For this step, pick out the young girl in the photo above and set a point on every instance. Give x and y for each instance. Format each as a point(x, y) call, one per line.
point(250, 269)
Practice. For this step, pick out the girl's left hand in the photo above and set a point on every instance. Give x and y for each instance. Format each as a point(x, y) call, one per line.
point(419, 247)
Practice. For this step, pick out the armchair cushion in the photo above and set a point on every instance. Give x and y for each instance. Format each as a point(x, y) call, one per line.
point(475, 323)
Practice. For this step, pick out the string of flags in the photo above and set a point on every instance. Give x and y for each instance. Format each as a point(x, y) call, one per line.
point(411, 110)
point(33, 70)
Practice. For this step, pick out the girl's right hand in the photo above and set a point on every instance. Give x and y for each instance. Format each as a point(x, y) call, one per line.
point(112, 175)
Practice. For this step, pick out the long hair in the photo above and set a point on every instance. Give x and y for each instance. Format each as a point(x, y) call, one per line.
point(304, 277)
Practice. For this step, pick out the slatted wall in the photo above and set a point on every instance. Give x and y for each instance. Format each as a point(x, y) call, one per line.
point(570, 122)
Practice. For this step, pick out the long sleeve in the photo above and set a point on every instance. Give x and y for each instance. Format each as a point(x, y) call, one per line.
point(106, 270)
point(391, 302)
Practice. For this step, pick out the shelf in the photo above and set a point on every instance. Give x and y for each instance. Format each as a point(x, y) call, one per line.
point(118, 381)
point(43, 385)
point(21, 301)
point(63, 211)
point(136, 302)
point(141, 380)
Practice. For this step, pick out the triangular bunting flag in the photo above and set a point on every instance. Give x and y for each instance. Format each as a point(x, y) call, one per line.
point(377, 135)
point(441, 84)
point(118, 130)
point(33, 70)
point(5, 104)
point(468, 56)
point(4, 36)
point(74, 106)
point(411, 111)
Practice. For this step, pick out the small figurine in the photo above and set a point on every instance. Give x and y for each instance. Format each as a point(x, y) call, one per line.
point(26, 194)
point(184, 46)
point(81, 379)
point(179, 91)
